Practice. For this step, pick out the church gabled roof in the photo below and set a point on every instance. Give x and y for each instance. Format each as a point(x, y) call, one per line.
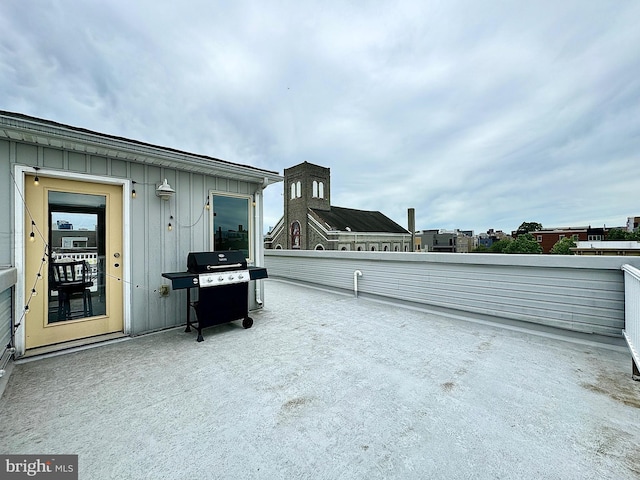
point(351, 220)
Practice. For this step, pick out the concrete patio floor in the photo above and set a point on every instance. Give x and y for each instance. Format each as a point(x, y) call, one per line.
point(327, 386)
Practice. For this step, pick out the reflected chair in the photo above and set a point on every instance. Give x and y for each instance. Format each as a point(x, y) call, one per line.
point(70, 278)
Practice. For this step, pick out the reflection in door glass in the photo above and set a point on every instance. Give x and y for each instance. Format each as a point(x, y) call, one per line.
point(77, 256)
point(231, 223)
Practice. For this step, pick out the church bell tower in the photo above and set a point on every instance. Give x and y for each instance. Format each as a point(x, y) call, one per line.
point(305, 186)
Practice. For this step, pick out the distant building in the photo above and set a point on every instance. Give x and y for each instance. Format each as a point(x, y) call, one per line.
point(310, 222)
point(64, 225)
point(452, 241)
point(610, 248)
point(633, 223)
point(467, 242)
point(492, 236)
point(548, 237)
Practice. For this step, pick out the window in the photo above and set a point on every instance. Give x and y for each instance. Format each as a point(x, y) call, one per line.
point(296, 189)
point(231, 223)
point(575, 236)
point(560, 237)
point(321, 190)
point(539, 238)
point(315, 189)
point(319, 247)
point(295, 234)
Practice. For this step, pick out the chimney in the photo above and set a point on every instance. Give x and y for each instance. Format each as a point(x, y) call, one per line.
point(411, 213)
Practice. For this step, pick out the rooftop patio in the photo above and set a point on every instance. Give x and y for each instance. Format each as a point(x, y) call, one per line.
point(326, 385)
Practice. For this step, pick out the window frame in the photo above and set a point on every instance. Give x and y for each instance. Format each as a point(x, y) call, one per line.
point(250, 215)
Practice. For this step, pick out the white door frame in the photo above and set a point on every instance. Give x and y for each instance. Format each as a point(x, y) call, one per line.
point(20, 171)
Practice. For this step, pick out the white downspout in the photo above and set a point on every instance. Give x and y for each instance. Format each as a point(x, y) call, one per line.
point(259, 242)
point(356, 274)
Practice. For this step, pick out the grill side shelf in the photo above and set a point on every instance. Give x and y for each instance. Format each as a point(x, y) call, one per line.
point(257, 273)
point(180, 280)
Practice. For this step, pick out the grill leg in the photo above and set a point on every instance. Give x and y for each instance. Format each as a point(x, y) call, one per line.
point(189, 305)
point(635, 372)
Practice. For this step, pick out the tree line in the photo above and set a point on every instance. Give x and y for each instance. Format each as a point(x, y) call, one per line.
point(526, 243)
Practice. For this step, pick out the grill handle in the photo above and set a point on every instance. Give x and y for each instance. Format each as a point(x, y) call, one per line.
point(220, 267)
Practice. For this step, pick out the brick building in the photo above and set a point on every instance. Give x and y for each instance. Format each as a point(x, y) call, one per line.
point(547, 237)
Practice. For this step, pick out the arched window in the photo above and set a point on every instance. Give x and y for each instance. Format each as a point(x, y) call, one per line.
point(343, 249)
point(315, 189)
point(373, 248)
point(293, 191)
point(278, 247)
point(396, 249)
point(321, 190)
point(386, 248)
point(295, 234)
point(319, 247)
point(359, 249)
point(298, 189)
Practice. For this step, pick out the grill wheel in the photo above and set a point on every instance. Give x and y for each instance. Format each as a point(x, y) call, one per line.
point(247, 322)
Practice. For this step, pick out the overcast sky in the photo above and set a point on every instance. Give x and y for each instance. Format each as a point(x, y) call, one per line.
point(478, 114)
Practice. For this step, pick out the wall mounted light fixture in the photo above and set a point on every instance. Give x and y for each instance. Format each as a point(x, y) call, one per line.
point(164, 190)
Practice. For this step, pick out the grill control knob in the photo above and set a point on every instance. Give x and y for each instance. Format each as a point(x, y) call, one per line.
point(240, 277)
point(230, 277)
point(209, 279)
point(220, 278)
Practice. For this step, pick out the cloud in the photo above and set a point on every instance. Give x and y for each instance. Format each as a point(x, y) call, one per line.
point(478, 114)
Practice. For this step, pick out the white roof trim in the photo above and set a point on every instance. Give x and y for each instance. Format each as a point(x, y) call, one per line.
point(43, 132)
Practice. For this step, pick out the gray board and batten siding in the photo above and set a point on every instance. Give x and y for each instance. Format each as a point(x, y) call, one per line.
point(584, 294)
point(154, 249)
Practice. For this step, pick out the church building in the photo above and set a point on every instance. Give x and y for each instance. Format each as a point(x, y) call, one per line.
point(310, 222)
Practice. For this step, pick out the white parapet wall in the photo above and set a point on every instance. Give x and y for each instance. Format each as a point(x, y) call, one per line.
point(8, 278)
point(578, 293)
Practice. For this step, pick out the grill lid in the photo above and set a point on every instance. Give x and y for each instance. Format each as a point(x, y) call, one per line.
point(204, 262)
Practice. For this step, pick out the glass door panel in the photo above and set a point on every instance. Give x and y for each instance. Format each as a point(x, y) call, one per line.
point(77, 256)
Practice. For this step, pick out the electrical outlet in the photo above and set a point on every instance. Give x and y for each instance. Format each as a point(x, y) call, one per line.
point(164, 290)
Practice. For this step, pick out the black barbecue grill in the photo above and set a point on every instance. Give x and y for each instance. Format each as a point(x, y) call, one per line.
point(222, 281)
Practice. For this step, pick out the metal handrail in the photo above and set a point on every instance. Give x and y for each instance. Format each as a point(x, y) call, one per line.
point(631, 330)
